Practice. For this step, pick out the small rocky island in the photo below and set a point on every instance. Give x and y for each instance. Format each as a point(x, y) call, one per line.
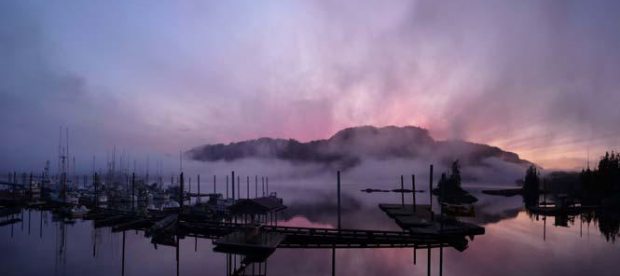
point(449, 188)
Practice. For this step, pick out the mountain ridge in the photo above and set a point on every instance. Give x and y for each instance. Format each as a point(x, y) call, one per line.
point(347, 147)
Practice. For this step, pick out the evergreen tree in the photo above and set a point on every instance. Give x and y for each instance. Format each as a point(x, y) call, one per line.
point(449, 187)
point(455, 177)
point(532, 181)
point(608, 174)
point(531, 186)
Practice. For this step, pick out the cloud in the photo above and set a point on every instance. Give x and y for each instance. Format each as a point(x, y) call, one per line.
point(535, 78)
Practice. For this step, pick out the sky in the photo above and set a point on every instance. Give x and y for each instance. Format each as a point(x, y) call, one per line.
point(539, 78)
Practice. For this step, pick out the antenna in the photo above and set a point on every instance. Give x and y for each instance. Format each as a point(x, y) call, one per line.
point(75, 177)
point(67, 138)
point(114, 160)
point(147, 168)
point(59, 149)
point(181, 160)
point(122, 161)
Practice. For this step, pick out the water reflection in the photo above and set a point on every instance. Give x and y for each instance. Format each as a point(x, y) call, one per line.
point(607, 221)
point(37, 243)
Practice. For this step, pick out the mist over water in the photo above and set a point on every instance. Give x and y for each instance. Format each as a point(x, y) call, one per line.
point(572, 250)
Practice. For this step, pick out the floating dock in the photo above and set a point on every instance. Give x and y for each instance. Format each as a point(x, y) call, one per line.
point(249, 242)
point(420, 220)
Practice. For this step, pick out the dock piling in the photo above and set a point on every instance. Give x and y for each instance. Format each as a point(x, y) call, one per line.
point(428, 261)
point(440, 260)
point(95, 182)
point(133, 187)
point(443, 196)
point(430, 190)
point(233, 185)
point(402, 190)
point(338, 192)
point(123, 258)
point(413, 191)
point(182, 198)
point(333, 261)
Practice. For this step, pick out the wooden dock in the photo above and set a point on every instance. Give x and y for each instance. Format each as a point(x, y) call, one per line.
point(422, 229)
point(421, 221)
point(303, 237)
point(406, 216)
point(248, 242)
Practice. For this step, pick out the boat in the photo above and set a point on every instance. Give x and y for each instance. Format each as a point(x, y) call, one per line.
point(103, 198)
point(149, 197)
point(162, 225)
point(74, 211)
point(251, 240)
point(161, 196)
point(168, 205)
point(72, 199)
point(152, 208)
point(78, 212)
point(459, 210)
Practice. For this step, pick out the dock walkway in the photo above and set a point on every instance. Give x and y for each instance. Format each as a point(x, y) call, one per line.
point(303, 237)
point(422, 221)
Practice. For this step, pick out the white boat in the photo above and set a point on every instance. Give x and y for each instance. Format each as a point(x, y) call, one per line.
point(103, 198)
point(170, 205)
point(72, 199)
point(78, 212)
point(35, 190)
point(152, 207)
point(149, 197)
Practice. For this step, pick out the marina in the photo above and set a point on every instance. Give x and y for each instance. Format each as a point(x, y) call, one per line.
point(249, 233)
point(309, 138)
point(240, 226)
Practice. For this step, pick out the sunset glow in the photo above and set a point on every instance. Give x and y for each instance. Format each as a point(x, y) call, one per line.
point(530, 77)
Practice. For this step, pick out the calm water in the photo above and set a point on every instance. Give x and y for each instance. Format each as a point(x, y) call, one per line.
point(514, 244)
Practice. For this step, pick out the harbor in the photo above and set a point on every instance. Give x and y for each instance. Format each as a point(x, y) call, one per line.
point(241, 222)
point(305, 138)
point(249, 219)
